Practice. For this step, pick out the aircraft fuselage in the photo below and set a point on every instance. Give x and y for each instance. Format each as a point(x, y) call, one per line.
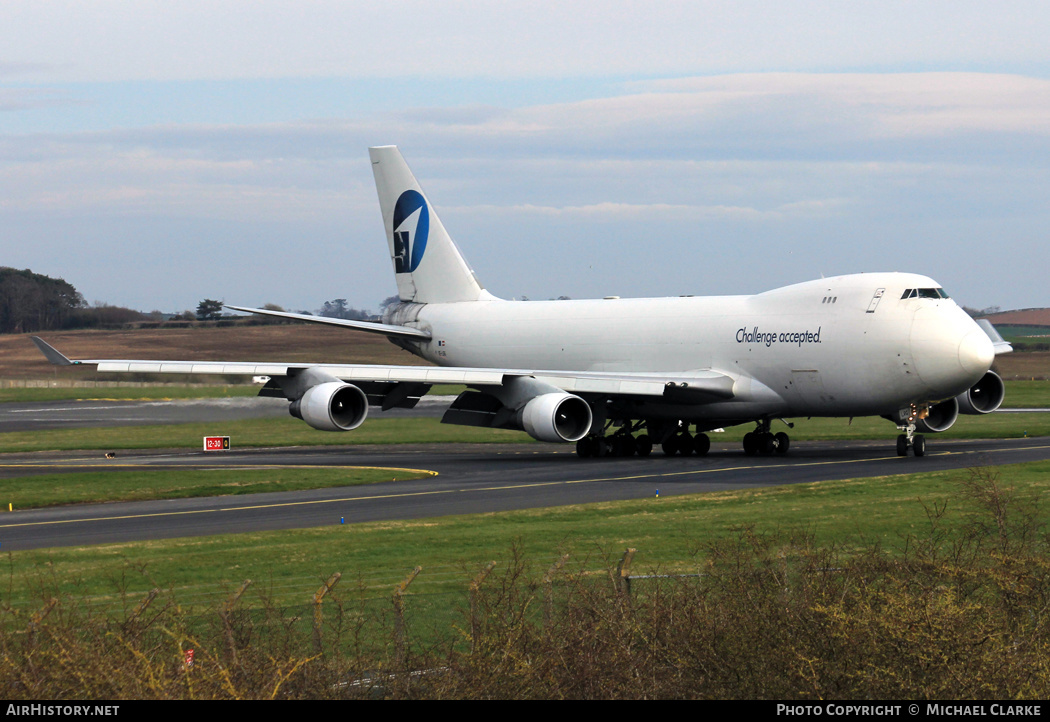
point(843, 346)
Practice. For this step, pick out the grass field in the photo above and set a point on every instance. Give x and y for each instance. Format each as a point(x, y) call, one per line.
point(30, 492)
point(261, 433)
point(669, 533)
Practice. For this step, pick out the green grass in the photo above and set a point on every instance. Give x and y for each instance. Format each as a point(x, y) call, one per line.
point(1027, 395)
point(1008, 332)
point(668, 532)
point(255, 433)
point(252, 433)
point(28, 492)
point(138, 393)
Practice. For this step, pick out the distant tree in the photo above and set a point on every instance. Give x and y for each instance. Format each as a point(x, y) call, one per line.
point(209, 310)
point(34, 302)
point(104, 315)
point(338, 308)
point(978, 313)
point(272, 307)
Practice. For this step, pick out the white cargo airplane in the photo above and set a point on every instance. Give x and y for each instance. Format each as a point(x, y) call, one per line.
point(616, 376)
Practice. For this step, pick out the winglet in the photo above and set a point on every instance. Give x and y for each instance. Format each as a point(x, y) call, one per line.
point(1000, 344)
point(53, 354)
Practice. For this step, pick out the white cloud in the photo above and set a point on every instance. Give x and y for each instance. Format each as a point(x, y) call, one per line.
point(107, 40)
point(742, 182)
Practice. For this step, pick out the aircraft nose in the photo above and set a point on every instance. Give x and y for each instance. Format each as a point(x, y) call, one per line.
point(976, 352)
point(950, 351)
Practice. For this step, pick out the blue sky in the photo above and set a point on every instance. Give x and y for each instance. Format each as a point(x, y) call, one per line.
point(158, 153)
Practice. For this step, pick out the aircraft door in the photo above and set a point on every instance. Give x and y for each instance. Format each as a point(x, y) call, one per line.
point(875, 299)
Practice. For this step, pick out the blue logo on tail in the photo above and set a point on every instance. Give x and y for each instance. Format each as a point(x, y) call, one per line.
point(411, 228)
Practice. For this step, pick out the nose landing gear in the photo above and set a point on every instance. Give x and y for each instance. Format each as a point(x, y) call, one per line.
point(909, 439)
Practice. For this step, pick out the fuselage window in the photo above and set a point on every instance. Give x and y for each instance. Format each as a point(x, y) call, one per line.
point(907, 293)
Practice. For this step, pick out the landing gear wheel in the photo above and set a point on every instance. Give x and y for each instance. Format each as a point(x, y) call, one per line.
point(585, 447)
point(670, 447)
point(918, 445)
point(701, 444)
point(902, 445)
point(644, 445)
point(602, 447)
point(750, 443)
point(685, 443)
point(782, 442)
point(624, 445)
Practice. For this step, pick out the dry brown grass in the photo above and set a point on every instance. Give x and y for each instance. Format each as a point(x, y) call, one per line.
point(1022, 366)
point(20, 359)
point(1027, 317)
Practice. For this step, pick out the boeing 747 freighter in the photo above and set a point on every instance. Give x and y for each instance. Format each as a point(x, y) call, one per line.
point(619, 376)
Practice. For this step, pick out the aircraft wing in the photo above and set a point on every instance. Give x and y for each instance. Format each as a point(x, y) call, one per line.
point(369, 326)
point(700, 386)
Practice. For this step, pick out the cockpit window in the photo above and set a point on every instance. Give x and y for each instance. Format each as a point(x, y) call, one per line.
point(924, 293)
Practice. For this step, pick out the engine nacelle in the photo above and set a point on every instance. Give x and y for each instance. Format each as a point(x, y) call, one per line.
point(940, 418)
point(556, 417)
point(331, 406)
point(983, 397)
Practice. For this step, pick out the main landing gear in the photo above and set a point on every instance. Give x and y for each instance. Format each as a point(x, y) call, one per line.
point(627, 442)
point(765, 442)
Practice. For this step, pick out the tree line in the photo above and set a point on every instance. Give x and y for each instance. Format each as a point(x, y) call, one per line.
point(32, 302)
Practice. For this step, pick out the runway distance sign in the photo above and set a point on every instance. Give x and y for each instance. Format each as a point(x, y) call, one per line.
point(216, 443)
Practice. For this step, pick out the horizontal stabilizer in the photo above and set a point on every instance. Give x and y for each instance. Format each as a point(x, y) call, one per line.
point(369, 326)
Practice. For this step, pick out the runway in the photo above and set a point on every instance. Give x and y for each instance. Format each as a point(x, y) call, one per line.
point(94, 413)
point(471, 478)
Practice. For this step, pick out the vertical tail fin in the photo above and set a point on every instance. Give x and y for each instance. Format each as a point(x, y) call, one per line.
point(427, 264)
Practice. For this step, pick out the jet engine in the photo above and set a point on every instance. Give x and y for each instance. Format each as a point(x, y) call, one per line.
point(984, 396)
point(556, 417)
point(940, 418)
point(331, 406)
